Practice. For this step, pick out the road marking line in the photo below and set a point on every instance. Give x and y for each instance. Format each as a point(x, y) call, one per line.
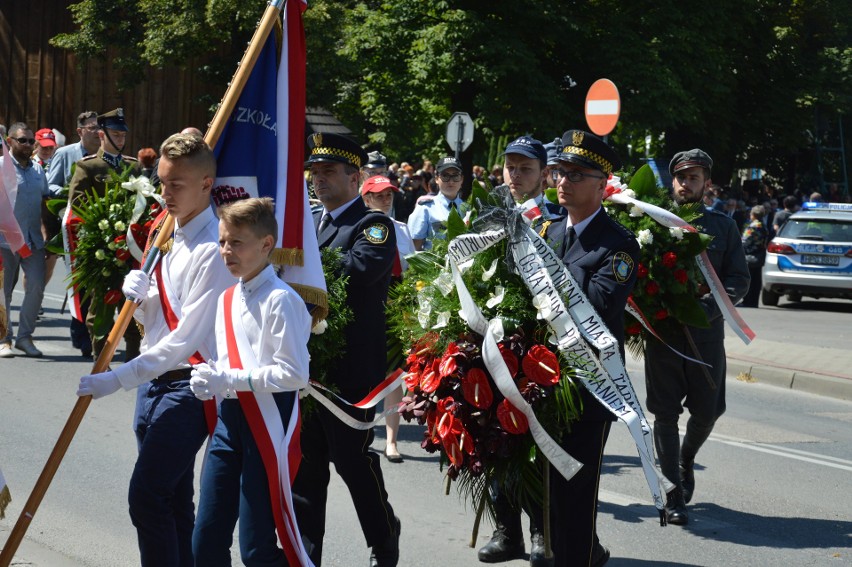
point(795, 454)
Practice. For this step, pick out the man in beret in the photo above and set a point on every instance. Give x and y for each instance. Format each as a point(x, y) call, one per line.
point(91, 174)
point(673, 382)
point(367, 241)
point(601, 256)
point(432, 211)
point(524, 171)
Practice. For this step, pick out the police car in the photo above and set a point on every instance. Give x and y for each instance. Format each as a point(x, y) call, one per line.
point(811, 255)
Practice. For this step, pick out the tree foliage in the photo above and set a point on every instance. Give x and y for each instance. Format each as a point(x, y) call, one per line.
point(755, 82)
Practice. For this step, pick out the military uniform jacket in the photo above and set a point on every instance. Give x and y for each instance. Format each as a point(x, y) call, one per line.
point(728, 259)
point(367, 240)
point(93, 172)
point(603, 262)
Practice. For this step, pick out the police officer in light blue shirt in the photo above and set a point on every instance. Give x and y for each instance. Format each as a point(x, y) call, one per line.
point(431, 213)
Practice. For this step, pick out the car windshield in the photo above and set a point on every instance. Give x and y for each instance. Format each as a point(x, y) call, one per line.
point(827, 230)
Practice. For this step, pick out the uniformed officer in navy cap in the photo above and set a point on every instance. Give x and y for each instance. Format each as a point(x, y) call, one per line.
point(601, 256)
point(432, 211)
point(92, 171)
point(554, 148)
point(367, 241)
point(674, 383)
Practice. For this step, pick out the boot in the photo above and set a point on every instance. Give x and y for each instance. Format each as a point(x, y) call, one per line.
point(676, 508)
point(504, 546)
point(687, 478)
point(537, 551)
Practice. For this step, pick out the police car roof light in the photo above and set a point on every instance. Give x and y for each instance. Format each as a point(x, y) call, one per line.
point(814, 206)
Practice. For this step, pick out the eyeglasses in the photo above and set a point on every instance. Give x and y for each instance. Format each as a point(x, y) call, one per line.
point(448, 177)
point(574, 176)
point(29, 141)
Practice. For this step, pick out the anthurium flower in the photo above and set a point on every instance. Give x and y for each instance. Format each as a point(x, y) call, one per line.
point(509, 358)
point(542, 303)
point(496, 297)
point(489, 273)
point(541, 366)
point(443, 319)
point(476, 389)
point(511, 419)
point(448, 364)
point(430, 379)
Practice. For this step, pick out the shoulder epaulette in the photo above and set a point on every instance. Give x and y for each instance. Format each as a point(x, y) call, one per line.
point(88, 157)
point(425, 199)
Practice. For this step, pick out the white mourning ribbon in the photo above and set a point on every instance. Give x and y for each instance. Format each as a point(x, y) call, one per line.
point(142, 187)
point(336, 411)
point(671, 220)
point(545, 275)
point(637, 314)
point(463, 248)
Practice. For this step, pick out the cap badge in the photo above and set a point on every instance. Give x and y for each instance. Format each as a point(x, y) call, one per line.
point(577, 137)
point(317, 137)
point(119, 112)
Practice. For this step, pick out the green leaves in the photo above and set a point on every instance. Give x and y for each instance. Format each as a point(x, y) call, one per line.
point(643, 182)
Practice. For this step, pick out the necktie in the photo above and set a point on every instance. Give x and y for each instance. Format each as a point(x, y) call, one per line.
point(324, 222)
point(570, 238)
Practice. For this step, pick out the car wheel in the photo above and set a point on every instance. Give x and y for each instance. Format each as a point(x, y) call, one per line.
point(769, 298)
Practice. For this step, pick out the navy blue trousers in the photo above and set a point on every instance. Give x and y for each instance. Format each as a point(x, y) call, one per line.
point(170, 429)
point(234, 486)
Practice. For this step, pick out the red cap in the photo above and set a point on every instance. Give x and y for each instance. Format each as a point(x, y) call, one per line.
point(45, 137)
point(377, 183)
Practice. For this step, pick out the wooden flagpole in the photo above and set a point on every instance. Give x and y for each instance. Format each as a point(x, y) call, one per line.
point(214, 131)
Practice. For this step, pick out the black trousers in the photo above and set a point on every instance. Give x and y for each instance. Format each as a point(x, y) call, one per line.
point(325, 440)
point(574, 503)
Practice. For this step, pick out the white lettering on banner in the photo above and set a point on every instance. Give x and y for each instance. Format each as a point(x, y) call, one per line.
point(469, 245)
point(256, 117)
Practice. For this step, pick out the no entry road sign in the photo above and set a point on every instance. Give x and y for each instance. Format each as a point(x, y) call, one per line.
point(603, 107)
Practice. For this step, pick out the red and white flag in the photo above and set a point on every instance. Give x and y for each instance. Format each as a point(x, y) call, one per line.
point(9, 226)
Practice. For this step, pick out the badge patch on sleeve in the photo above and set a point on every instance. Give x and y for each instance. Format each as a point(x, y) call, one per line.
point(622, 266)
point(376, 233)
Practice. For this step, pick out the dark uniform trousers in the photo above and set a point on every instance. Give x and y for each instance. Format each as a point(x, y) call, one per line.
point(326, 439)
point(593, 259)
point(368, 243)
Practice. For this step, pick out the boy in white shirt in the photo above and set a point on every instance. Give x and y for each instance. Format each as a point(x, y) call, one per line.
point(262, 331)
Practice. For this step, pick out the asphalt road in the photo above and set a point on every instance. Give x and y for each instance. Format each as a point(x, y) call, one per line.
point(772, 482)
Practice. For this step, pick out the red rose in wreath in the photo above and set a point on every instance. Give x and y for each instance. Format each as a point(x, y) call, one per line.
point(669, 260)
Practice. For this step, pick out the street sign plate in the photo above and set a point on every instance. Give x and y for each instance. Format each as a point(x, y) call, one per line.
point(460, 130)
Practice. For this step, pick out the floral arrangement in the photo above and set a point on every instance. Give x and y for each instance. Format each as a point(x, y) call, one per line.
point(479, 435)
point(669, 281)
point(327, 343)
point(103, 227)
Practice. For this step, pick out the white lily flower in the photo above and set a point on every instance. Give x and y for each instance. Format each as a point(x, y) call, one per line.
point(443, 319)
point(542, 303)
point(496, 297)
point(489, 273)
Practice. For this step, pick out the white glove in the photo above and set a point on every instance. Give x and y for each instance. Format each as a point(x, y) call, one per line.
point(98, 385)
point(135, 286)
point(207, 382)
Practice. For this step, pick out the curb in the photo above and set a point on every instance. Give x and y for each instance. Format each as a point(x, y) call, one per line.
point(838, 387)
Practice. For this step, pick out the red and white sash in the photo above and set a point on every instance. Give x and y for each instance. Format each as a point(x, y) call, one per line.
point(278, 442)
point(69, 243)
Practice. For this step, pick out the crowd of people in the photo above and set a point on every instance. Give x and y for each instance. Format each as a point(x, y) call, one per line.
point(254, 342)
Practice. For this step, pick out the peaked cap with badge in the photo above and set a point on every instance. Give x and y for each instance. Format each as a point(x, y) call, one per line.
point(335, 148)
point(448, 162)
point(690, 158)
point(553, 149)
point(587, 150)
point(114, 120)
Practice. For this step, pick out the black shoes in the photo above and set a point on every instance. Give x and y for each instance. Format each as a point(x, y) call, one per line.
point(676, 508)
point(600, 555)
point(387, 554)
point(503, 548)
point(687, 479)
point(537, 551)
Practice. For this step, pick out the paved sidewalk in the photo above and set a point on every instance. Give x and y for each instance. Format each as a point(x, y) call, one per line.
point(812, 369)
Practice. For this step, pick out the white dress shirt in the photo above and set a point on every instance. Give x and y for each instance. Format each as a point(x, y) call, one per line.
point(277, 325)
point(194, 275)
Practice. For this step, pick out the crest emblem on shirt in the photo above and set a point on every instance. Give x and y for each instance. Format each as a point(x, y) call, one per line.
point(376, 233)
point(622, 266)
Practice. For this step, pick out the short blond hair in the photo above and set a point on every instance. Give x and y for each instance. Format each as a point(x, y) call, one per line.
point(257, 213)
point(190, 148)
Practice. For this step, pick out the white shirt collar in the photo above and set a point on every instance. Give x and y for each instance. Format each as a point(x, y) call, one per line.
point(339, 210)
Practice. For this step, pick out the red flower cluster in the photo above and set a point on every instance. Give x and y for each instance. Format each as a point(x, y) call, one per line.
point(669, 260)
point(465, 415)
